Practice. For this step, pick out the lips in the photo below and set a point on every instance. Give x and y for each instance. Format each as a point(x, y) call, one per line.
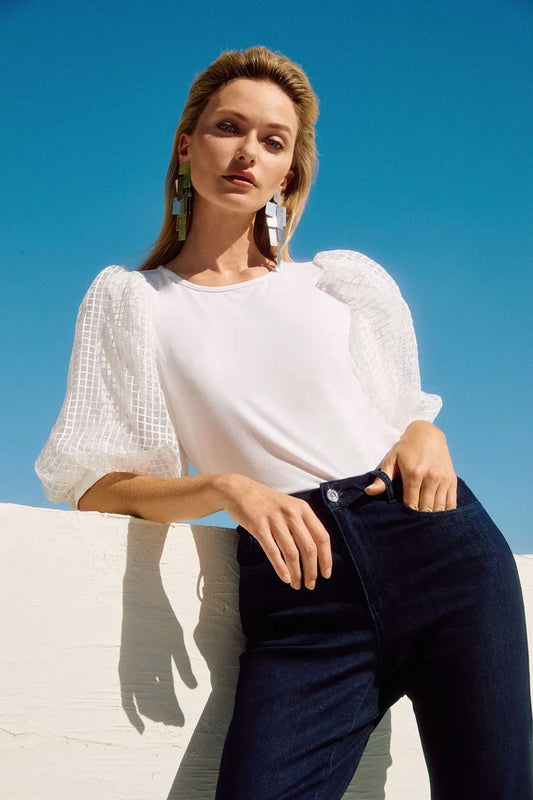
point(241, 177)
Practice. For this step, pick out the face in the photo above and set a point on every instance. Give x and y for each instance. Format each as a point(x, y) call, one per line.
point(242, 148)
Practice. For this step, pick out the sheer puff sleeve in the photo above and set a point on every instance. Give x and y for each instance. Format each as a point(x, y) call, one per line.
point(114, 417)
point(382, 337)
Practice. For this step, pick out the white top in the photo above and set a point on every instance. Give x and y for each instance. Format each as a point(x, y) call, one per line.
point(115, 415)
point(260, 381)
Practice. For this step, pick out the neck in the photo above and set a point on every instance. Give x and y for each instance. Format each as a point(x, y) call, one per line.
point(219, 243)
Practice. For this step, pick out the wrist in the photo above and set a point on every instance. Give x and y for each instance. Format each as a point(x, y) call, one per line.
point(227, 486)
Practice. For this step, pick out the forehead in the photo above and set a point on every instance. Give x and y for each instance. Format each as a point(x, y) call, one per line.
point(256, 98)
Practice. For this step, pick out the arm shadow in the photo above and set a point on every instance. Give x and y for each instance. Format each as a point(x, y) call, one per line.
point(152, 636)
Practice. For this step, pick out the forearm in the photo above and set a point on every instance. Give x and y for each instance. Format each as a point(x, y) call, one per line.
point(158, 499)
point(293, 538)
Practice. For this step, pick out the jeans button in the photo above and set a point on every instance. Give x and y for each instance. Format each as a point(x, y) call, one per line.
point(332, 495)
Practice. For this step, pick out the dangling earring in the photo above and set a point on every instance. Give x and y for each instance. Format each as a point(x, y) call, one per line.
point(182, 203)
point(276, 219)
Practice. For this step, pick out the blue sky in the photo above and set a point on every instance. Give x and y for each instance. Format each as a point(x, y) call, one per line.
point(426, 164)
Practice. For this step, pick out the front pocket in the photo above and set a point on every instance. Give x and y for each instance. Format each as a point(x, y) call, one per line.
point(447, 512)
point(466, 502)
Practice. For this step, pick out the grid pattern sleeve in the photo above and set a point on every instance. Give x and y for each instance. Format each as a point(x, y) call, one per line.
point(114, 417)
point(382, 337)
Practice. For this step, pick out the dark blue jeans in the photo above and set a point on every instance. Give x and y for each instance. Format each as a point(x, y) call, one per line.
point(419, 603)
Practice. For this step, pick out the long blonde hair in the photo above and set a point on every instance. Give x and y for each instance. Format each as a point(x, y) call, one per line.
point(256, 63)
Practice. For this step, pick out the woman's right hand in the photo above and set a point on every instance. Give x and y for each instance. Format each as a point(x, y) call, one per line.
point(293, 538)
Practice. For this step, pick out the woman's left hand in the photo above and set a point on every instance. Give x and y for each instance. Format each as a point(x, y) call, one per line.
point(423, 460)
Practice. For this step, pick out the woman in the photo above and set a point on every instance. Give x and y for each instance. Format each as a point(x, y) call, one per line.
point(367, 570)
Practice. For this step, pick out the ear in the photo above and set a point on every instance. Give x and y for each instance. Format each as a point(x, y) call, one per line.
point(184, 147)
point(286, 180)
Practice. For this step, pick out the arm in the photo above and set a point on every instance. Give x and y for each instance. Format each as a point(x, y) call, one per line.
point(293, 538)
point(384, 350)
point(158, 499)
point(114, 417)
point(382, 337)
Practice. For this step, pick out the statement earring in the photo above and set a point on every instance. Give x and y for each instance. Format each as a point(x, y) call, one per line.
point(276, 219)
point(182, 203)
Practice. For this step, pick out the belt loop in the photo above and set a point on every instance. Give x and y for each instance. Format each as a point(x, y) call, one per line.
point(378, 473)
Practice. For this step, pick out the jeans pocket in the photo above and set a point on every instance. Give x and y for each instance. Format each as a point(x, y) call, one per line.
point(466, 502)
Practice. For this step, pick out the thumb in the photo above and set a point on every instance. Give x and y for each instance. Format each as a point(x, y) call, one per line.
point(378, 484)
point(376, 487)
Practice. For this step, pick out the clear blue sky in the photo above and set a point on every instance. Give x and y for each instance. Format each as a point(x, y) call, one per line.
point(426, 164)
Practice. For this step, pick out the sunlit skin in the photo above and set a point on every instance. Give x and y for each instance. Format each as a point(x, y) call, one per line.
point(240, 154)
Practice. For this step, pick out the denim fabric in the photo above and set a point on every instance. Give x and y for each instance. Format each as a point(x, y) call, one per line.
point(426, 604)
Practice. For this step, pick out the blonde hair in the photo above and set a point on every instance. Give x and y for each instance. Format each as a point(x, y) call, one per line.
point(256, 63)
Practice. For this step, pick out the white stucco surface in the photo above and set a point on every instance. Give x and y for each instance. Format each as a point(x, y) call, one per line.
point(120, 642)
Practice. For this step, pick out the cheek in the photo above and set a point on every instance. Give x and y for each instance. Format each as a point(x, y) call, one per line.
point(207, 160)
point(215, 149)
point(282, 169)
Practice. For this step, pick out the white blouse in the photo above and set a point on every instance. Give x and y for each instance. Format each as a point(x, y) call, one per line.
point(115, 416)
point(259, 379)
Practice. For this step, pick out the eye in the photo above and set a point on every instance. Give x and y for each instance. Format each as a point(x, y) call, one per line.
point(227, 127)
point(274, 144)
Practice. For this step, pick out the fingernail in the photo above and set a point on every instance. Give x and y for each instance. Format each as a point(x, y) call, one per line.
point(296, 585)
point(327, 573)
point(311, 585)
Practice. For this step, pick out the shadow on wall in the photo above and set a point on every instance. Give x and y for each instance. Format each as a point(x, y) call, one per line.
point(152, 638)
point(151, 635)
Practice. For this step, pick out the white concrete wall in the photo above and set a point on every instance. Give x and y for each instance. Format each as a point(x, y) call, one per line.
point(119, 650)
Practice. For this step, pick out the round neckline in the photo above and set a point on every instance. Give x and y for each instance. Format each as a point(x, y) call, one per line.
point(223, 288)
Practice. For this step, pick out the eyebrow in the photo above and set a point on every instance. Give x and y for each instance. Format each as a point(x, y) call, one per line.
point(277, 125)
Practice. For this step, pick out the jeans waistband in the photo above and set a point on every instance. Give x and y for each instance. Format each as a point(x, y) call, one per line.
point(343, 491)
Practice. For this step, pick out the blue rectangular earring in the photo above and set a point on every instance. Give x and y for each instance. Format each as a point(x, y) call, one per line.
point(182, 203)
point(276, 219)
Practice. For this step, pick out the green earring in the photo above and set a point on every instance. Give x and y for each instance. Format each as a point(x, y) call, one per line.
point(182, 203)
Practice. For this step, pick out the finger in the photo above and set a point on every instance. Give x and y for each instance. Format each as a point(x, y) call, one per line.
point(376, 487)
point(388, 466)
point(451, 496)
point(439, 503)
point(290, 555)
point(411, 491)
point(308, 553)
point(428, 491)
point(273, 553)
point(322, 541)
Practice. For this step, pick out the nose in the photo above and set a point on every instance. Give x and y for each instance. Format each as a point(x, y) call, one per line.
point(246, 152)
point(245, 156)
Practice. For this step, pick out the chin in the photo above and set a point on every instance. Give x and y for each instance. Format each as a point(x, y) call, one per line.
point(241, 203)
